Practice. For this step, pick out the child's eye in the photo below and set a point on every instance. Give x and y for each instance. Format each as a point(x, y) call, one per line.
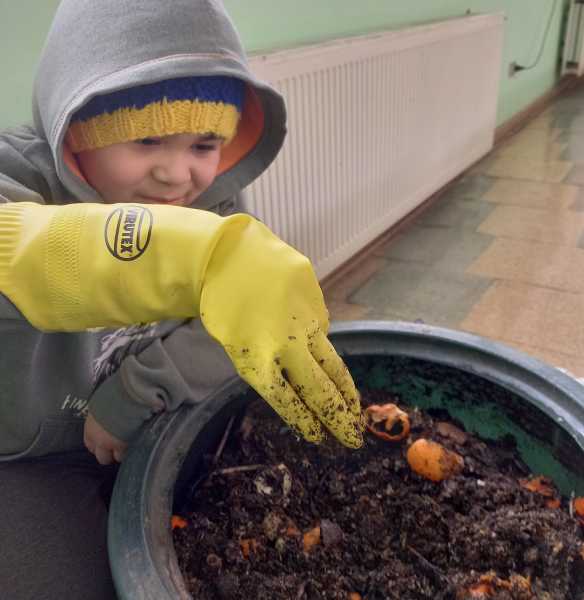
point(205, 147)
point(147, 142)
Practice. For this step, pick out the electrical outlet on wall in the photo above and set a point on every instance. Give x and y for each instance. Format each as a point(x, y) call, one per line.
point(512, 68)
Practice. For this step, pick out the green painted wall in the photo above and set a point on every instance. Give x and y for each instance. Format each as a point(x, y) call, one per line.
point(269, 24)
point(24, 25)
point(278, 22)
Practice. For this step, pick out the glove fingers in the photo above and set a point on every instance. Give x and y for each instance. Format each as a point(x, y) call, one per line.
point(296, 414)
point(281, 397)
point(332, 364)
point(322, 397)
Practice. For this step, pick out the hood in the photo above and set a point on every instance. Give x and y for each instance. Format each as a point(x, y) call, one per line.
point(96, 47)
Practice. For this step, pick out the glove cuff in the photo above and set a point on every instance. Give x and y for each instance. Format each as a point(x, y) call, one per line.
point(27, 260)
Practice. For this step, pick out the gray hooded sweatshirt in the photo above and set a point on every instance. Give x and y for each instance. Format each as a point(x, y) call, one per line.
point(51, 380)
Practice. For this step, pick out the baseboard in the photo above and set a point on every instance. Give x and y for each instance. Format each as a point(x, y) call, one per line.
point(518, 121)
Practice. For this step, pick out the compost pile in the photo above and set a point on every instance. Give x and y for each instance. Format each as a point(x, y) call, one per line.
point(279, 518)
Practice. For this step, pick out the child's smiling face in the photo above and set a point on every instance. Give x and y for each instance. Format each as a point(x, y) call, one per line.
point(172, 169)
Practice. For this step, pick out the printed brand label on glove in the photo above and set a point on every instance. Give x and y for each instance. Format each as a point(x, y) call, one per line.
point(127, 231)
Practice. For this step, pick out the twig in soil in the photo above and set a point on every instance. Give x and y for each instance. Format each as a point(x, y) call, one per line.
point(433, 569)
point(196, 484)
point(301, 590)
point(223, 440)
point(235, 469)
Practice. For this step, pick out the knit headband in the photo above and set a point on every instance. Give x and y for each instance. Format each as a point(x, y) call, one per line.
point(185, 104)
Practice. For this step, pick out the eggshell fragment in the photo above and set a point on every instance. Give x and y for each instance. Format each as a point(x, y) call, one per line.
point(391, 414)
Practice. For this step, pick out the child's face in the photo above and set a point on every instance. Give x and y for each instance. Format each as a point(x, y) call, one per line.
point(172, 169)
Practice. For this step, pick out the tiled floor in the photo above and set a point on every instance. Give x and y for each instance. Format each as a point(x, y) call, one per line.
point(499, 254)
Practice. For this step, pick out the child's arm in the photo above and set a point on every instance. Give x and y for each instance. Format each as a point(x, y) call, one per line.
point(173, 363)
point(80, 266)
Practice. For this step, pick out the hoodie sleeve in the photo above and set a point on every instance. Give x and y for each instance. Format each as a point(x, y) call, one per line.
point(185, 367)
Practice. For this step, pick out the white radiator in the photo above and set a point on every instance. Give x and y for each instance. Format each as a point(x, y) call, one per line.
point(377, 124)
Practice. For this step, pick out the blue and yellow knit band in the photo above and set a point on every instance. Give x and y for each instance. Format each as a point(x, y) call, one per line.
point(181, 105)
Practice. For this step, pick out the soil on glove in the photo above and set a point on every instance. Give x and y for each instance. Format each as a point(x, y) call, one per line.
point(279, 518)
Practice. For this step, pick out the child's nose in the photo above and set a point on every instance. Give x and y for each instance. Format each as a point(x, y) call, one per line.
point(173, 171)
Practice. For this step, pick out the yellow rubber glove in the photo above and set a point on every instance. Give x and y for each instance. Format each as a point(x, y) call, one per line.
point(81, 266)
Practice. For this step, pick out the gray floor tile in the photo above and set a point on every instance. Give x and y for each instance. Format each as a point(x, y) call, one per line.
point(578, 203)
point(575, 149)
point(574, 121)
point(575, 175)
point(569, 105)
point(446, 248)
point(567, 110)
point(472, 189)
point(581, 241)
point(480, 168)
point(411, 291)
point(452, 212)
point(572, 154)
point(574, 139)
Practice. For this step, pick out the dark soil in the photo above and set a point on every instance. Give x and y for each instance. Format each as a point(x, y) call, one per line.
point(386, 532)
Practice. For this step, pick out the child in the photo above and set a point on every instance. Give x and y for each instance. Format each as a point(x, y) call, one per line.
point(122, 208)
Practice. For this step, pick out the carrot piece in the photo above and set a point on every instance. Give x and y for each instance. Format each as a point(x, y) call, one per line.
point(488, 584)
point(178, 522)
point(355, 596)
point(311, 538)
point(579, 505)
point(482, 589)
point(552, 502)
point(519, 581)
point(541, 485)
point(433, 461)
point(247, 546)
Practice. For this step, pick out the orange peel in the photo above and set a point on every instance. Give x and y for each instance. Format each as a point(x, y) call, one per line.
point(391, 414)
point(482, 589)
point(247, 546)
point(541, 485)
point(311, 538)
point(488, 584)
point(433, 461)
point(178, 522)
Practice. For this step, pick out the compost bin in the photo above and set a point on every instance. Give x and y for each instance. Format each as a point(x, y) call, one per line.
point(429, 367)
